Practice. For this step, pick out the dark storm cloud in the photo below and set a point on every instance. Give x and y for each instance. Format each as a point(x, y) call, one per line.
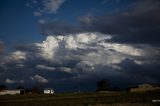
point(26, 47)
point(1, 47)
point(49, 28)
point(142, 73)
point(138, 23)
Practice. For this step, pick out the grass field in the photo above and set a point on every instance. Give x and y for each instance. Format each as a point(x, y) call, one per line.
point(82, 99)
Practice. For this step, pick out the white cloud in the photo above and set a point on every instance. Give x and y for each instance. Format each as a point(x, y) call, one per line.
point(20, 65)
point(52, 6)
point(18, 55)
point(82, 55)
point(65, 69)
point(39, 79)
point(81, 40)
point(86, 66)
point(37, 13)
point(21, 81)
point(45, 6)
point(87, 19)
point(43, 67)
point(9, 81)
point(48, 47)
point(48, 68)
point(104, 57)
point(48, 6)
point(41, 21)
point(122, 48)
point(54, 44)
point(107, 53)
point(34, 1)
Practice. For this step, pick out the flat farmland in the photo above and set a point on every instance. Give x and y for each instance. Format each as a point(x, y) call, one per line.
point(83, 99)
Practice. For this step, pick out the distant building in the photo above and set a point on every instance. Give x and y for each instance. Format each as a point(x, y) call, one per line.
point(143, 88)
point(48, 91)
point(12, 92)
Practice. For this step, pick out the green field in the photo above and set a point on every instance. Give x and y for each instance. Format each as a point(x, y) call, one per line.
point(82, 99)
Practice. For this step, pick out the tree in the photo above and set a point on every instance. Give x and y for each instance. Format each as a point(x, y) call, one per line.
point(35, 89)
point(102, 85)
point(116, 89)
point(20, 87)
point(2, 87)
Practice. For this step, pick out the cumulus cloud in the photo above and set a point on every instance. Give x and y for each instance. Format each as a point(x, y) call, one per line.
point(39, 79)
point(83, 56)
point(92, 49)
point(48, 47)
point(54, 44)
point(18, 55)
point(15, 57)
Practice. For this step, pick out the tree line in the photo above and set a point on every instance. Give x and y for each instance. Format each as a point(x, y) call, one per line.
point(102, 85)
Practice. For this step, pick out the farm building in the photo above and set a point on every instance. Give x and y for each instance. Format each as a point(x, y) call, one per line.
point(12, 92)
point(48, 91)
point(144, 87)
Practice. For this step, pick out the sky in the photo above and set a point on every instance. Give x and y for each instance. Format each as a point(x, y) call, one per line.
point(72, 44)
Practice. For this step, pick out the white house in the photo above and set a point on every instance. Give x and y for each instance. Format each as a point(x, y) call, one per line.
point(48, 91)
point(10, 92)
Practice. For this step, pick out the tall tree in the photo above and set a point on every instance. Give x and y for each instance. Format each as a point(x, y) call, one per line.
point(102, 85)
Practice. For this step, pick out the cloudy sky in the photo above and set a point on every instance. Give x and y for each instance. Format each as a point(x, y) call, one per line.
point(70, 44)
